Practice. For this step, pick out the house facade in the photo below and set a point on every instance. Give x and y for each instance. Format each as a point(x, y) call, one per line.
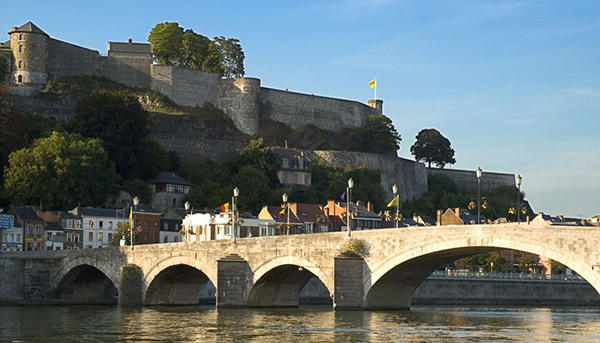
point(168, 191)
point(97, 225)
point(33, 228)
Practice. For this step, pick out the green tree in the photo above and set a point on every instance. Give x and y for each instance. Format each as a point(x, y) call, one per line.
point(526, 261)
point(123, 231)
point(431, 146)
point(254, 188)
point(261, 156)
point(119, 120)
point(167, 43)
point(214, 60)
point(195, 49)
point(3, 68)
point(379, 135)
point(495, 261)
point(232, 56)
point(60, 171)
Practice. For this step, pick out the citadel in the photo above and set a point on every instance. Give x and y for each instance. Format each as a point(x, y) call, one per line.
point(34, 58)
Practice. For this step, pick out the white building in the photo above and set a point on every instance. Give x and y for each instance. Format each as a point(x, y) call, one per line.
point(12, 239)
point(99, 224)
point(213, 226)
point(55, 236)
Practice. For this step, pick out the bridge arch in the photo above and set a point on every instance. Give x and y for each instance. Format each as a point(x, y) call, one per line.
point(177, 280)
point(393, 281)
point(85, 280)
point(278, 281)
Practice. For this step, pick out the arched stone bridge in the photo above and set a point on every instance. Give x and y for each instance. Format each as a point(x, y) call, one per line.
point(271, 271)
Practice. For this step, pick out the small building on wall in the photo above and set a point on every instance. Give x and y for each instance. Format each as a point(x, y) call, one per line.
point(208, 226)
point(295, 169)
point(168, 191)
point(171, 228)
point(33, 227)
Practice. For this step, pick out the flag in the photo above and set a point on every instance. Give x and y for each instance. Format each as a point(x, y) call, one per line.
point(471, 205)
point(512, 210)
point(282, 212)
point(394, 202)
point(523, 209)
point(225, 207)
point(485, 205)
point(131, 217)
point(372, 83)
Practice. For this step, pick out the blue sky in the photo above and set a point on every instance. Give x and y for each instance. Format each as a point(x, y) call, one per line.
point(514, 85)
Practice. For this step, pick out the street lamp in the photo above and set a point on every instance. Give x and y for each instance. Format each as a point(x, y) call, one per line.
point(519, 179)
point(479, 172)
point(286, 208)
point(348, 219)
point(187, 220)
point(395, 191)
point(136, 202)
point(236, 193)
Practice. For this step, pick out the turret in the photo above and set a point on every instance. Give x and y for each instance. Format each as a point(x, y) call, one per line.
point(29, 45)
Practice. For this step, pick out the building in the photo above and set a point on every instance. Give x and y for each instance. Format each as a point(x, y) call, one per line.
point(98, 224)
point(459, 217)
point(363, 217)
point(294, 168)
point(207, 225)
point(171, 228)
point(168, 191)
point(33, 227)
point(11, 234)
point(147, 224)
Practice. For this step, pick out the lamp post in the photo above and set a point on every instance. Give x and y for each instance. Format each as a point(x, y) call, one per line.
point(287, 209)
point(395, 191)
point(348, 218)
point(236, 193)
point(136, 202)
point(478, 172)
point(519, 179)
point(187, 220)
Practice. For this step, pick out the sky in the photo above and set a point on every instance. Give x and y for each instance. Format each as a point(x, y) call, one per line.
point(514, 85)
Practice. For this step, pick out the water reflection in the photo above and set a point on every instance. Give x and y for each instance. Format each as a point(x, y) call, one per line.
point(202, 324)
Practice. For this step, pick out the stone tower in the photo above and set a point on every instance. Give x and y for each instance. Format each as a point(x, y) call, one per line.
point(29, 46)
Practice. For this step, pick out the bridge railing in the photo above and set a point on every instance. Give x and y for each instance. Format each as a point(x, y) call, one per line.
point(460, 274)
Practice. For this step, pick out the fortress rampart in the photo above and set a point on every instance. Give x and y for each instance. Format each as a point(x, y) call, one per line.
point(468, 178)
point(36, 58)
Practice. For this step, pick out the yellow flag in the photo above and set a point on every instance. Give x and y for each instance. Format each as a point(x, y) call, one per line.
point(394, 202)
point(372, 83)
point(131, 216)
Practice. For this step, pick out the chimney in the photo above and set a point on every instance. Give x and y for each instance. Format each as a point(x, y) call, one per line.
point(439, 218)
point(369, 206)
point(457, 210)
point(130, 40)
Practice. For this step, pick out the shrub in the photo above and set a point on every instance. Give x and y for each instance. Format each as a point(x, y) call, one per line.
point(355, 246)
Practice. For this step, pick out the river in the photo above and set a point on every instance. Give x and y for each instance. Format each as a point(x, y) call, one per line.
point(304, 324)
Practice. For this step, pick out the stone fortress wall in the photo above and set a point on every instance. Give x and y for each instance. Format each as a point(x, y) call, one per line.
point(35, 58)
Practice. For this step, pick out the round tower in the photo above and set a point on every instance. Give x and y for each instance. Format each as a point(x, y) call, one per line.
point(29, 46)
point(247, 106)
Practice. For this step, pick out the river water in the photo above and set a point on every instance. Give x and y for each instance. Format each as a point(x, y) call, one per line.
point(304, 324)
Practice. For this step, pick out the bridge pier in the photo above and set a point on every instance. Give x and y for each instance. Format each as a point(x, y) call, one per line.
point(131, 285)
point(349, 291)
point(234, 281)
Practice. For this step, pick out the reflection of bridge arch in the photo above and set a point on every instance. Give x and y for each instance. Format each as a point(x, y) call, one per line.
point(394, 280)
point(278, 282)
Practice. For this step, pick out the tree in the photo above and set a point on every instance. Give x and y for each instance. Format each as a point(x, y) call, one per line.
point(60, 171)
point(213, 62)
point(167, 43)
point(3, 68)
point(195, 49)
point(495, 261)
point(260, 156)
point(254, 188)
point(526, 261)
point(119, 120)
point(232, 56)
point(379, 135)
point(123, 231)
point(431, 146)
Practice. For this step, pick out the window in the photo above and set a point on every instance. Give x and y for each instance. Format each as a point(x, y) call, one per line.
point(38, 230)
point(18, 238)
point(175, 239)
point(100, 237)
point(146, 237)
point(166, 239)
point(69, 237)
point(165, 226)
point(155, 224)
point(20, 64)
point(100, 223)
point(20, 78)
point(91, 236)
point(20, 36)
point(110, 237)
point(155, 238)
point(29, 230)
point(110, 225)
point(91, 224)
point(76, 238)
point(20, 47)
point(146, 224)
point(48, 236)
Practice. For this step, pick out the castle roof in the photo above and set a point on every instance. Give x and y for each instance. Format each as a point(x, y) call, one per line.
point(28, 27)
point(171, 178)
